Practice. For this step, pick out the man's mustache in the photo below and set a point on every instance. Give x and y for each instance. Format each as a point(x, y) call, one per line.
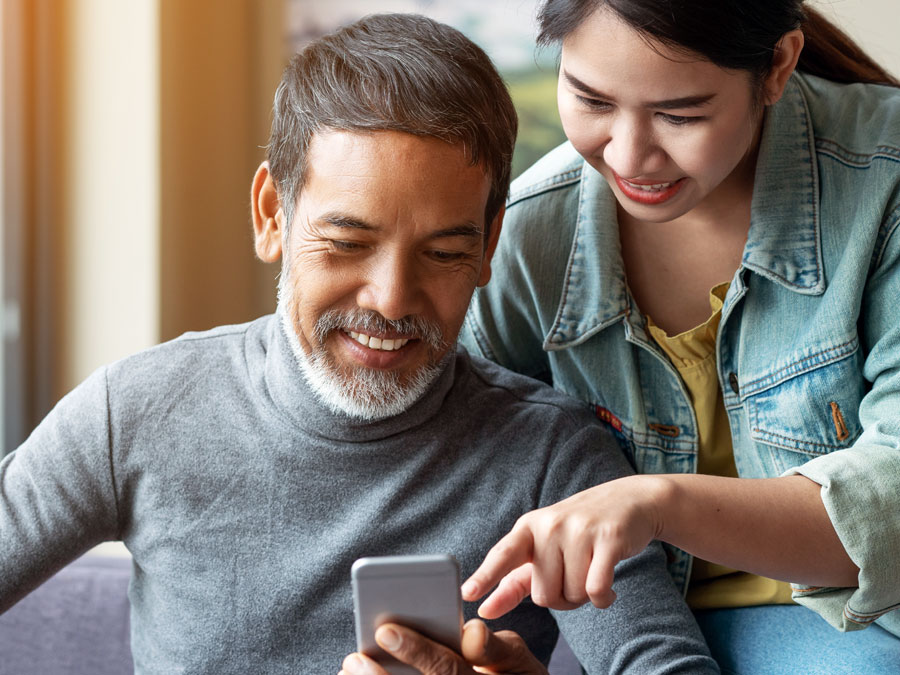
point(371, 322)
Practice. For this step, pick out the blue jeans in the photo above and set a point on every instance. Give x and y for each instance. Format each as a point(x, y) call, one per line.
point(787, 639)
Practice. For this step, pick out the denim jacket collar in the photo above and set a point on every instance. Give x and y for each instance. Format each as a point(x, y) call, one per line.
point(594, 295)
point(783, 243)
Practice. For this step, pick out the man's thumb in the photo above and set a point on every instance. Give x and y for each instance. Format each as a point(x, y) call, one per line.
point(503, 651)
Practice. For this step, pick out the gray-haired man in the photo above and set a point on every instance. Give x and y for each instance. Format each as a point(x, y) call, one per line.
point(247, 467)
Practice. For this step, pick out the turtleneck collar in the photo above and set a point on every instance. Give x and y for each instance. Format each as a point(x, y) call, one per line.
point(295, 400)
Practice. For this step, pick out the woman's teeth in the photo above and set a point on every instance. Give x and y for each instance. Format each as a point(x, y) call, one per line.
point(377, 343)
point(658, 187)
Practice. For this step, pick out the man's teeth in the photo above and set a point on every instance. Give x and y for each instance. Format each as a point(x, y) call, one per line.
point(658, 187)
point(378, 343)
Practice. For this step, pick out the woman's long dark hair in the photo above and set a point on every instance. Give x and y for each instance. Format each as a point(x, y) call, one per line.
point(735, 34)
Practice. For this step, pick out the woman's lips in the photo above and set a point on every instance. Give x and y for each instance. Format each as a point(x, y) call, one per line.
point(648, 192)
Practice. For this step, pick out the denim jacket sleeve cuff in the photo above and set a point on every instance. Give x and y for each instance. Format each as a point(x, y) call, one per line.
point(859, 490)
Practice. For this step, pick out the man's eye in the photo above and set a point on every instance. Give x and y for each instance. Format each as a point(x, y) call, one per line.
point(446, 256)
point(341, 245)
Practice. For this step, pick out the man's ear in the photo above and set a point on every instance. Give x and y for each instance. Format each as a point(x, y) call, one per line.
point(268, 217)
point(493, 238)
point(784, 61)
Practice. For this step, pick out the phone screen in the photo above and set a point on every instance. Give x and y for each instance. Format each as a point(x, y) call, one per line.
point(417, 591)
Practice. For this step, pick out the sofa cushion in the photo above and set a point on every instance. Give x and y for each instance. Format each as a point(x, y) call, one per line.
point(76, 623)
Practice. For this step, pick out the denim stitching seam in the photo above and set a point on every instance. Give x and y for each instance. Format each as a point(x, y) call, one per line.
point(773, 435)
point(774, 377)
point(856, 159)
point(868, 617)
point(553, 183)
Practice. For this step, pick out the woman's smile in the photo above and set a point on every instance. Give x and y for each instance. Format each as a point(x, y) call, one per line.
point(648, 192)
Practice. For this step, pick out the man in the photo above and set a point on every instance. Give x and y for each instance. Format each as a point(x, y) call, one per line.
point(247, 467)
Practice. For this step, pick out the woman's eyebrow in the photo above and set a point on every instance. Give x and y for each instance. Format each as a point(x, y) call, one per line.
point(683, 102)
point(667, 104)
point(582, 87)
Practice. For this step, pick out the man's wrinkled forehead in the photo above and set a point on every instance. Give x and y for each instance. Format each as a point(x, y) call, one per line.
point(376, 165)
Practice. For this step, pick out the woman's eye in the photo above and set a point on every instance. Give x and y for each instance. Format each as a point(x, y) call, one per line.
point(679, 120)
point(593, 103)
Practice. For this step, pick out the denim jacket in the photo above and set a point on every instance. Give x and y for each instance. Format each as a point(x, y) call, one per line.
point(808, 350)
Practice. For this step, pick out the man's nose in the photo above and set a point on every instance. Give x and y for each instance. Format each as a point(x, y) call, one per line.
point(631, 149)
point(391, 287)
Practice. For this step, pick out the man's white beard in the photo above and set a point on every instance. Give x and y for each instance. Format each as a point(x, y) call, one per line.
point(360, 392)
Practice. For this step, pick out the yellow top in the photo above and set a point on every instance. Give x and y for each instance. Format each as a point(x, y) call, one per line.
point(693, 353)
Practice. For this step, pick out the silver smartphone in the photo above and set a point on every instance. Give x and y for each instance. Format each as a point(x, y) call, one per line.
point(418, 591)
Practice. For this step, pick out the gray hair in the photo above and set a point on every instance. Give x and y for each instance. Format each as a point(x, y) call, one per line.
point(393, 72)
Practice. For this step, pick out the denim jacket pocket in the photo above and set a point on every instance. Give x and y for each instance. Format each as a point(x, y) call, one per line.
point(813, 410)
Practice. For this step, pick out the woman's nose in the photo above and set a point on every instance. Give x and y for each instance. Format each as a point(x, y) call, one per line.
point(631, 149)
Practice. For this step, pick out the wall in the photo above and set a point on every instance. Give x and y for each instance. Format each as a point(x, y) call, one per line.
point(111, 301)
point(165, 115)
point(34, 101)
point(215, 98)
point(872, 23)
point(3, 394)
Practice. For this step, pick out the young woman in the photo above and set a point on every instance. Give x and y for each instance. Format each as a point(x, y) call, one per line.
point(713, 263)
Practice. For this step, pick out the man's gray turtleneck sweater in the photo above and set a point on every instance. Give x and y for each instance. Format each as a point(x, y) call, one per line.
point(244, 503)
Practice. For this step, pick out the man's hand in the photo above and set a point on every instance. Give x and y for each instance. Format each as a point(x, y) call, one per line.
point(564, 555)
point(482, 652)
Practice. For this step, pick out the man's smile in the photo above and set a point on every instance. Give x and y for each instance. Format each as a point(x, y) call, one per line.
point(372, 342)
point(379, 353)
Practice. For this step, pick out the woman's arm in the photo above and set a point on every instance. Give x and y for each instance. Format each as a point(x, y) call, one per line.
point(776, 527)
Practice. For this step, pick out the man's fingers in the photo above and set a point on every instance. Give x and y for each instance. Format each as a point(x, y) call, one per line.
point(513, 588)
point(417, 651)
point(513, 550)
point(501, 652)
point(358, 664)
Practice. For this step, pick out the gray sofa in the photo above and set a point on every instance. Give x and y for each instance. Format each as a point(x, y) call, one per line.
point(77, 623)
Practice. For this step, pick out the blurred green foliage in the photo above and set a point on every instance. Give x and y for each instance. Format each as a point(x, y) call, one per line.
point(534, 95)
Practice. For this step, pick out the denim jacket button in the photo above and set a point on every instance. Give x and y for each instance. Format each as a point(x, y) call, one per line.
point(733, 381)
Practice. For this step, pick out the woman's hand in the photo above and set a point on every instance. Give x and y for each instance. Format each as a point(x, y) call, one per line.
point(482, 652)
point(774, 527)
point(563, 555)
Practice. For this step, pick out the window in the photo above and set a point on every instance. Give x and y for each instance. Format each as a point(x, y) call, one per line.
point(28, 87)
point(505, 29)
